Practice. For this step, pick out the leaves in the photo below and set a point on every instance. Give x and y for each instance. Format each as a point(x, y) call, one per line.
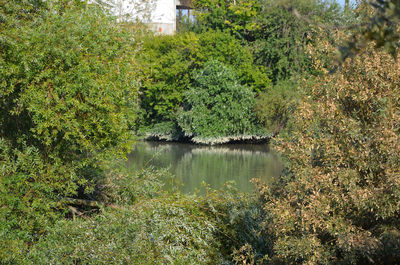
point(167, 64)
point(217, 105)
point(342, 188)
point(66, 104)
point(381, 24)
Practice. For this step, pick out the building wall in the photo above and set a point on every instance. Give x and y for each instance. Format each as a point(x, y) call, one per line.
point(163, 17)
point(160, 15)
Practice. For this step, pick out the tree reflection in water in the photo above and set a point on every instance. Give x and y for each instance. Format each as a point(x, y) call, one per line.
point(215, 165)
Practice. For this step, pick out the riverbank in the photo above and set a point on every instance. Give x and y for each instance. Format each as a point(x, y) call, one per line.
point(234, 139)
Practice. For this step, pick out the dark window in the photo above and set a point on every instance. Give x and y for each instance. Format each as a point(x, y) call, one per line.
point(184, 16)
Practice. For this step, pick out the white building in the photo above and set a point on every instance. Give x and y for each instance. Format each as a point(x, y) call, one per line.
point(161, 15)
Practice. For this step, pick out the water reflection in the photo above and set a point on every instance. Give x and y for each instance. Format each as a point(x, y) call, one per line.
point(193, 164)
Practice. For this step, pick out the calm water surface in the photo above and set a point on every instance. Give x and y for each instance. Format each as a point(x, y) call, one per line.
point(215, 165)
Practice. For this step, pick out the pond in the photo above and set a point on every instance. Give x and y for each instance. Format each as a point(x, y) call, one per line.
point(215, 165)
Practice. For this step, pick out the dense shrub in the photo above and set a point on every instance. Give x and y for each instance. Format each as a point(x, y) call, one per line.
point(155, 227)
point(239, 17)
point(340, 202)
point(216, 105)
point(222, 46)
point(277, 37)
point(18, 13)
point(123, 187)
point(274, 107)
point(162, 230)
point(281, 40)
point(167, 63)
point(65, 103)
point(239, 221)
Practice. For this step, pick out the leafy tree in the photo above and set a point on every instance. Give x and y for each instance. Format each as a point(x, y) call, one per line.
point(278, 39)
point(281, 41)
point(379, 23)
point(216, 105)
point(237, 16)
point(340, 201)
point(66, 94)
point(225, 48)
point(167, 63)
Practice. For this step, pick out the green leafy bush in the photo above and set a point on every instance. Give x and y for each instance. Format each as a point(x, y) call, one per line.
point(18, 13)
point(156, 227)
point(122, 187)
point(66, 94)
point(278, 38)
point(167, 63)
point(239, 221)
point(274, 107)
point(280, 41)
point(239, 17)
point(165, 229)
point(224, 47)
point(216, 105)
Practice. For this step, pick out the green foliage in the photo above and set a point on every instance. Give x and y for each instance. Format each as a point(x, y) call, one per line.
point(161, 231)
point(17, 13)
point(155, 228)
point(123, 187)
point(221, 46)
point(380, 23)
point(339, 204)
point(279, 35)
point(239, 221)
point(281, 40)
point(65, 104)
point(217, 105)
point(278, 39)
point(167, 63)
point(67, 101)
point(166, 130)
point(237, 16)
point(275, 106)
point(26, 206)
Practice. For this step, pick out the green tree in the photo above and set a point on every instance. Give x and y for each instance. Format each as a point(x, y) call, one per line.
point(281, 41)
point(66, 95)
point(278, 39)
point(216, 105)
point(236, 15)
point(167, 63)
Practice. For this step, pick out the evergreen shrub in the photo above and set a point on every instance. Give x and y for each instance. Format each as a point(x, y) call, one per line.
point(217, 105)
